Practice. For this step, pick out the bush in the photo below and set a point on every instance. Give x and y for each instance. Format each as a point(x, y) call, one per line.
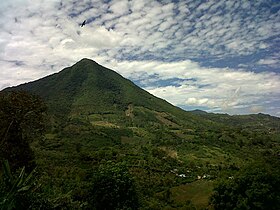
point(113, 188)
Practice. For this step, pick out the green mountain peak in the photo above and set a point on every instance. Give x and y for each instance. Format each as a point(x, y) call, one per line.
point(87, 87)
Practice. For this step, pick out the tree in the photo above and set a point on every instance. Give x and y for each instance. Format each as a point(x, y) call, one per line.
point(255, 187)
point(21, 120)
point(113, 188)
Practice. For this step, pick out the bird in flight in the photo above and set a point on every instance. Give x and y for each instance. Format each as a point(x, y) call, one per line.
point(84, 23)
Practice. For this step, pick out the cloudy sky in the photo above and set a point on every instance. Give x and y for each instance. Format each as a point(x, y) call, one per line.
point(214, 55)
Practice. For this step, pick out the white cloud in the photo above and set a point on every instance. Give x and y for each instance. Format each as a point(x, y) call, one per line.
point(99, 38)
point(119, 7)
point(197, 101)
point(137, 5)
point(257, 109)
point(267, 61)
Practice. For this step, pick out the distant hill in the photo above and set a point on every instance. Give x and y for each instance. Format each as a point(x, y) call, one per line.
point(252, 121)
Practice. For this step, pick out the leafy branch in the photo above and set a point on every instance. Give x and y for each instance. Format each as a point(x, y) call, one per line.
point(15, 186)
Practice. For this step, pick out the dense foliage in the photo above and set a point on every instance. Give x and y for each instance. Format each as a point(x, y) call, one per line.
point(257, 186)
point(21, 120)
point(113, 188)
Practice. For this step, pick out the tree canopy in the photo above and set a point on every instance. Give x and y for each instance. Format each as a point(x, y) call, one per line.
point(114, 188)
point(256, 187)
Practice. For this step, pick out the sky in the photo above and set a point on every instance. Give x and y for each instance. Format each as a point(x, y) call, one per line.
point(220, 56)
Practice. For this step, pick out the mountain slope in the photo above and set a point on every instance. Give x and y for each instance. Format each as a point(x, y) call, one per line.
point(97, 88)
point(88, 88)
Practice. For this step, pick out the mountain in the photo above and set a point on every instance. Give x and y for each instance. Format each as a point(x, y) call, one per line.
point(93, 87)
point(87, 88)
point(96, 116)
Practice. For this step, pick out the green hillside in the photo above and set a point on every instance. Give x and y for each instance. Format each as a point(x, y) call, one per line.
point(97, 120)
point(89, 88)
